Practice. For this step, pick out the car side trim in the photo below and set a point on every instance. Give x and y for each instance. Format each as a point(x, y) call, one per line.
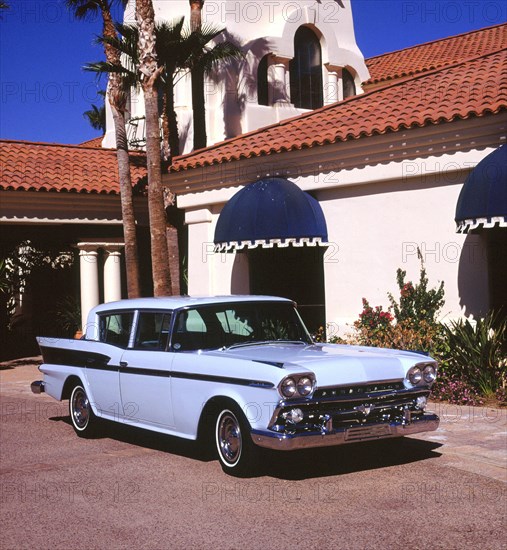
point(98, 361)
point(76, 358)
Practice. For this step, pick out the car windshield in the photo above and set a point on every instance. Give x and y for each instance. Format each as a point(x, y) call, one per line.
point(234, 324)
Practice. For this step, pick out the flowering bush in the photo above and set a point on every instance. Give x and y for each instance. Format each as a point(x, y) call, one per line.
point(456, 391)
point(417, 303)
point(328, 335)
point(501, 396)
point(374, 318)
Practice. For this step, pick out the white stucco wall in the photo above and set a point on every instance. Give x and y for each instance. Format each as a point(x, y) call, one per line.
point(377, 229)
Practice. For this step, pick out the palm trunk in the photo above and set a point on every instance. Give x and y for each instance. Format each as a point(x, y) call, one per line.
point(166, 150)
point(127, 206)
point(117, 100)
point(170, 131)
point(198, 99)
point(150, 72)
point(174, 257)
point(199, 108)
point(196, 14)
point(172, 117)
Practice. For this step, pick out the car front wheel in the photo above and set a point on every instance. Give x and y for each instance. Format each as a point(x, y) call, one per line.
point(237, 453)
point(81, 414)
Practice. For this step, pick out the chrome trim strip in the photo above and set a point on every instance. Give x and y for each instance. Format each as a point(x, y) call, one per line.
point(307, 440)
point(372, 383)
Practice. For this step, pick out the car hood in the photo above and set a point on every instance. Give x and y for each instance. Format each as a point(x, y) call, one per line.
point(333, 364)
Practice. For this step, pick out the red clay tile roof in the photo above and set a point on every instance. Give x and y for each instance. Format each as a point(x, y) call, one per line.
point(472, 88)
point(58, 168)
point(436, 54)
point(95, 142)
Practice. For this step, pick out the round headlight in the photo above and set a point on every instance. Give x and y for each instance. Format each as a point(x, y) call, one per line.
point(288, 387)
point(415, 375)
point(305, 386)
point(429, 374)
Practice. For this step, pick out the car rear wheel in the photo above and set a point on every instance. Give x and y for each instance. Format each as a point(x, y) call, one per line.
point(237, 453)
point(81, 414)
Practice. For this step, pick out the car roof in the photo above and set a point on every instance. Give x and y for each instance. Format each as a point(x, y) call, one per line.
point(175, 302)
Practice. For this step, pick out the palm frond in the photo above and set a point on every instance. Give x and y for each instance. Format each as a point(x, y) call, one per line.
point(223, 53)
point(101, 68)
point(87, 9)
point(96, 116)
point(83, 9)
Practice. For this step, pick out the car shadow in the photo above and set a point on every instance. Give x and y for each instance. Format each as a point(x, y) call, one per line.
point(290, 466)
point(132, 435)
point(346, 459)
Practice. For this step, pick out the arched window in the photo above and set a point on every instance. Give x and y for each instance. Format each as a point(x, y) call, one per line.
point(262, 82)
point(349, 86)
point(306, 71)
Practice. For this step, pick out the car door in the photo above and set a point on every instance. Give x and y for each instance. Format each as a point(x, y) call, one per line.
point(145, 372)
point(103, 375)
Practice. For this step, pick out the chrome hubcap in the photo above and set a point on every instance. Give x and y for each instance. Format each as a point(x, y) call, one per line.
point(80, 408)
point(229, 437)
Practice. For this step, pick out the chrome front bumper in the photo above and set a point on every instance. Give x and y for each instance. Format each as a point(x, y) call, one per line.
point(367, 432)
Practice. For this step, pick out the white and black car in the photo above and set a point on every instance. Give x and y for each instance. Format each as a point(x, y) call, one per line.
point(240, 372)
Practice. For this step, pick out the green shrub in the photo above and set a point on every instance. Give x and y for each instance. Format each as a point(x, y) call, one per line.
point(410, 322)
point(477, 353)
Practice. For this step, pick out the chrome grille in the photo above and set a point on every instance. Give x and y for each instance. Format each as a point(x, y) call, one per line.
point(357, 390)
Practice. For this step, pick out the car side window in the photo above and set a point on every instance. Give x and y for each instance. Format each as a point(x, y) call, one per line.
point(152, 331)
point(115, 328)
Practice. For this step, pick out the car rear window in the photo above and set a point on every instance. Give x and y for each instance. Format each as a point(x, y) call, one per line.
point(115, 328)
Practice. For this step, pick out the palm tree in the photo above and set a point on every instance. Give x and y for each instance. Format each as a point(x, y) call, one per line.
point(198, 98)
point(117, 94)
point(96, 116)
point(178, 51)
point(150, 72)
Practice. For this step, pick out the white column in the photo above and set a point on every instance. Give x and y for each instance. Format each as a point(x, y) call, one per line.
point(89, 275)
point(279, 82)
point(201, 256)
point(112, 274)
point(333, 90)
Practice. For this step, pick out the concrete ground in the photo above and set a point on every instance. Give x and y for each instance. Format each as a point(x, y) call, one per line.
point(132, 489)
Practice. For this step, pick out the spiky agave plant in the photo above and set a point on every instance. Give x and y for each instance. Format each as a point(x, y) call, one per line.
point(477, 351)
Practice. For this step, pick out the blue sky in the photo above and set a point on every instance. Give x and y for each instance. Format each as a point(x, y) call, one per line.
point(44, 90)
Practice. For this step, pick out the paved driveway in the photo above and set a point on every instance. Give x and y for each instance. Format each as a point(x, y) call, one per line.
point(131, 489)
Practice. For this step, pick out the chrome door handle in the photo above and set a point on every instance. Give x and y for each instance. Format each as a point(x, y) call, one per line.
point(123, 363)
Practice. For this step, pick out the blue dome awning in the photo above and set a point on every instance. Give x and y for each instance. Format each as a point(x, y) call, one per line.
point(483, 198)
point(269, 212)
